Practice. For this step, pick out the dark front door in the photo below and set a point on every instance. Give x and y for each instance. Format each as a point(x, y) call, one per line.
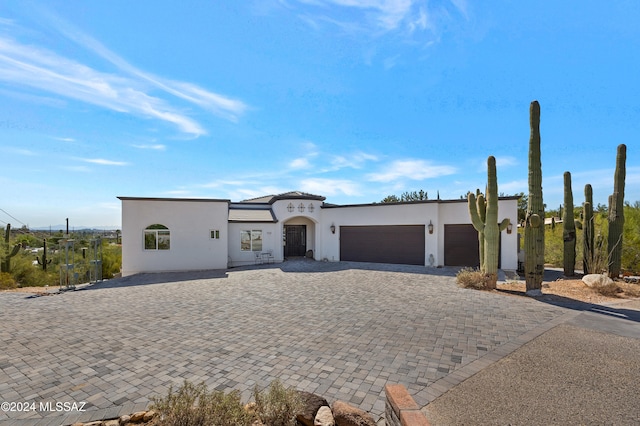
point(295, 242)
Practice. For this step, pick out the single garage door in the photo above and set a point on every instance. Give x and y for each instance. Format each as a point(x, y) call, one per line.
point(461, 246)
point(403, 244)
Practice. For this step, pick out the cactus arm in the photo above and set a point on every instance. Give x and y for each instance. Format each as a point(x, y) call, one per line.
point(474, 212)
point(503, 225)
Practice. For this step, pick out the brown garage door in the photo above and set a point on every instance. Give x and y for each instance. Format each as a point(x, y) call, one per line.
point(461, 246)
point(402, 244)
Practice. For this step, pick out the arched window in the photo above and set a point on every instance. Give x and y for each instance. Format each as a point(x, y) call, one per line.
point(157, 237)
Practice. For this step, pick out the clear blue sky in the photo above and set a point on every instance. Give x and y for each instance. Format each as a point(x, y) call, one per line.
point(349, 99)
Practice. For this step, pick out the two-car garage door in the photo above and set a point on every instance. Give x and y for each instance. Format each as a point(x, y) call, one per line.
point(403, 244)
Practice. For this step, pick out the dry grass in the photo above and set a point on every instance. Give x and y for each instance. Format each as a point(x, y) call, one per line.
point(473, 278)
point(577, 290)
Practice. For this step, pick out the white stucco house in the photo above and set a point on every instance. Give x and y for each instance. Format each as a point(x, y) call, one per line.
point(182, 234)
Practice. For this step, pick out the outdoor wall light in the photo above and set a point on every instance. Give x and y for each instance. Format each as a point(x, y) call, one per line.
point(509, 228)
point(333, 228)
point(430, 226)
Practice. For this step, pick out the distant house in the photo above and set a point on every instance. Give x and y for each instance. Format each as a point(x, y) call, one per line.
point(181, 234)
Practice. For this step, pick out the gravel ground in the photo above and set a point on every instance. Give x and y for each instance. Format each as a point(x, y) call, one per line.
point(568, 376)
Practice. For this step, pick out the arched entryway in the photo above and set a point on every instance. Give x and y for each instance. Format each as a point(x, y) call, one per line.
point(298, 236)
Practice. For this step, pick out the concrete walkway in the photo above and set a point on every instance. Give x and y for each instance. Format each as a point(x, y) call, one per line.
point(341, 330)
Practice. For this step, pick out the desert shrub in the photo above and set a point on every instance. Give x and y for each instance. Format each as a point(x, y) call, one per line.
point(277, 406)
point(608, 290)
point(27, 274)
point(7, 281)
point(111, 260)
point(194, 405)
point(472, 278)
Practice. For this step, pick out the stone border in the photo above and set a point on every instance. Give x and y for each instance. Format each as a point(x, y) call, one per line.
point(401, 409)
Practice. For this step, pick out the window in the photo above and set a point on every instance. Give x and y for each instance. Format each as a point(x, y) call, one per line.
point(251, 240)
point(215, 234)
point(156, 237)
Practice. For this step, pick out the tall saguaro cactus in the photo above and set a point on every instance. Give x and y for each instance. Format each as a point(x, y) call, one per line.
point(616, 214)
point(588, 229)
point(534, 220)
point(488, 226)
point(9, 252)
point(44, 262)
point(568, 229)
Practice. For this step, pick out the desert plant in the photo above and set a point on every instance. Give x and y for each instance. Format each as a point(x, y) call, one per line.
point(616, 214)
point(277, 406)
point(195, 405)
point(609, 290)
point(588, 231)
point(473, 278)
point(484, 216)
point(534, 220)
point(9, 251)
point(44, 262)
point(568, 229)
point(7, 281)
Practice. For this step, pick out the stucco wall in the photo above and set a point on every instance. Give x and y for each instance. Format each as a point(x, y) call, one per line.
point(271, 240)
point(380, 214)
point(439, 214)
point(189, 222)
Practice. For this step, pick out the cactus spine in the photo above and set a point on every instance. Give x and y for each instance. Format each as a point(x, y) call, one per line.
point(616, 214)
point(488, 226)
point(588, 228)
point(568, 229)
point(534, 221)
point(9, 252)
point(44, 261)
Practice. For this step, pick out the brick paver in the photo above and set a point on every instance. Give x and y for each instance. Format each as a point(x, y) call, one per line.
point(342, 330)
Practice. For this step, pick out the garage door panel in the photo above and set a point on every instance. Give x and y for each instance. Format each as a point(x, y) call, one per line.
point(401, 244)
point(461, 246)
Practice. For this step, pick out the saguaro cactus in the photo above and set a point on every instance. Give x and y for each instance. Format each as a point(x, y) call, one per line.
point(588, 229)
point(616, 214)
point(489, 226)
point(478, 206)
point(568, 229)
point(9, 252)
point(534, 221)
point(44, 262)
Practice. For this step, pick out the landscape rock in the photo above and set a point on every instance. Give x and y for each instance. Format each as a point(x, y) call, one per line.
point(138, 416)
point(112, 423)
point(347, 415)
point(311, 404)
point(148, 416)
point(124, 419)
point(596, 280)
point(324, 417)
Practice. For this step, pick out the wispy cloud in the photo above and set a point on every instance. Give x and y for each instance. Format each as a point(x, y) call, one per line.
point(104, 162)
point(128, 92)
point(381, 16)
point(330, 186)
point(412, 170)
point(156, 147)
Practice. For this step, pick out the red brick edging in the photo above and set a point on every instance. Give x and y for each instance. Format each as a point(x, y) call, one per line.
point(401, 409)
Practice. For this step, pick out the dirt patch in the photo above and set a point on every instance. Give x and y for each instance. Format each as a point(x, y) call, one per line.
point(575, 289)
point(43, 291)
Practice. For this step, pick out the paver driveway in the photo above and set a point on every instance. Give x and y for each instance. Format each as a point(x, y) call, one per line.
point(341, 330)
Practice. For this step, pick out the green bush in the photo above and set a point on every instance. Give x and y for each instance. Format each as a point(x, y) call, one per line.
point(194, 405)
point(473, 278)
point(7, 281)
point(277, 406)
